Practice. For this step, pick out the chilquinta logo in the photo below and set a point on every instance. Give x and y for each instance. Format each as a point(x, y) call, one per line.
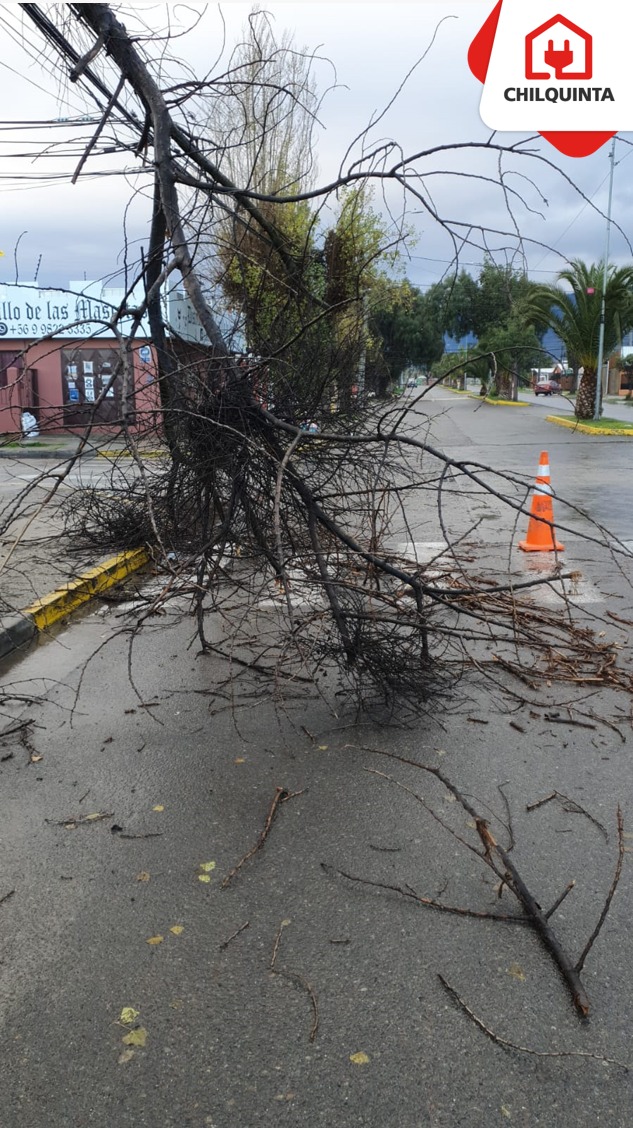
point(557, 44)
point(565, 78)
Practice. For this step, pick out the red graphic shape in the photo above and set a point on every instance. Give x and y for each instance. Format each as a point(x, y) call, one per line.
point(581, 143)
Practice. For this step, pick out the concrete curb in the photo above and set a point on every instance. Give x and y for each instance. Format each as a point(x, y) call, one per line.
point(15, 634)
point(572, 425)
point(20, 630)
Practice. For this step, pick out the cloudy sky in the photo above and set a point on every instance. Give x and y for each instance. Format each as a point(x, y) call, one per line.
point(78, 230)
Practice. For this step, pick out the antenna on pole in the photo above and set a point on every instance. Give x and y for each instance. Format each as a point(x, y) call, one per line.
point(37, 268)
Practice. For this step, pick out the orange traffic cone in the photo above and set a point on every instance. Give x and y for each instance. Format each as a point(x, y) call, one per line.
point(541, 536)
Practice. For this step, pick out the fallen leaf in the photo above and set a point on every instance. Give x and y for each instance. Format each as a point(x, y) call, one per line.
point(359, 1059)
point(142, 876)
point(177, 929)
point(136, 1037)
point(206, 867)
point(94, 816)
point(153, 940)
point(36, 757)
point(158, 807)
point(506, 1112)
point(176, 1004)
point(517, 972)
point(127, 1016)
point(204, 877)
point(322, 747)
point(126, 1056)
point(240, 760)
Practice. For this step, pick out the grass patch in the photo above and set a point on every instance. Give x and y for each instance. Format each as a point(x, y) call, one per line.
point(604, 426)
point(30, 445)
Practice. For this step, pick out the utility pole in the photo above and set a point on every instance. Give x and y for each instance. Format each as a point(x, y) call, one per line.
point(597, 402)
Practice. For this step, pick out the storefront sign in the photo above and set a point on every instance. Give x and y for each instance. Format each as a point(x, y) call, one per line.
point(27, 313)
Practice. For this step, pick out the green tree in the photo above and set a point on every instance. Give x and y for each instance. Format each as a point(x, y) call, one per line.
point(301, 296)
point(468, 305)
point(572, 308)
point(514, 348)
point(356, 250)
point(404, 331)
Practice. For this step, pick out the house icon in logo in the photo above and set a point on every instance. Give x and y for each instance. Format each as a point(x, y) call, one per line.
point(558, 44)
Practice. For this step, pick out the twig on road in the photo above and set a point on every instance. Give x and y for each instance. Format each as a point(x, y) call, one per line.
point(280, 796)
point(428, 902)
point(506, 1043)
point(609, 898)
point(295, 977)
point(572, 807)
point(225, 943)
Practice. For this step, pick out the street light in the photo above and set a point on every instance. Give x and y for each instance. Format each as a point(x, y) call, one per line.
point(596, 409)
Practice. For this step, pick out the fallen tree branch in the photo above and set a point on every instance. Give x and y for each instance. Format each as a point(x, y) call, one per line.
point(500, 862)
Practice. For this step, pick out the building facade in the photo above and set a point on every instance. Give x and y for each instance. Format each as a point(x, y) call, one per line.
point(60, 361)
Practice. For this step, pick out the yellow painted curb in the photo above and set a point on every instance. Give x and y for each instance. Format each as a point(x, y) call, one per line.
point(499, 402)
point(46, 611)
point(572, 425)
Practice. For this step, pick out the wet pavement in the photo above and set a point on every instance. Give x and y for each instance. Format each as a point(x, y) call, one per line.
point(294, 995)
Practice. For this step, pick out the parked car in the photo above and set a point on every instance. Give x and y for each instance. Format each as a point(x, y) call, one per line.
point(548, 388)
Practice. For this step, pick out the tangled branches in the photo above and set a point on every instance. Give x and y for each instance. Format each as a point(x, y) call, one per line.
point(259, 521)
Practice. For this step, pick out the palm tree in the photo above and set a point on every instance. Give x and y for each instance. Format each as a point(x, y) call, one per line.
point(575, 317)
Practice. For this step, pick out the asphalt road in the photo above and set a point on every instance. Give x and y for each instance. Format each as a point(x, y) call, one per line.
point(142, 732)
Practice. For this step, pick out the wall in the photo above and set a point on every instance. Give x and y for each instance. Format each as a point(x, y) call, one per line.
point(60, 382)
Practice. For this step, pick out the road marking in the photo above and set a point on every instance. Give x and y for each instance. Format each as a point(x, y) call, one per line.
point(580, 591)
point(421, 552)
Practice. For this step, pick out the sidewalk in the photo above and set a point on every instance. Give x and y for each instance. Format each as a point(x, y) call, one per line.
point(37, 562)
point(60, 447)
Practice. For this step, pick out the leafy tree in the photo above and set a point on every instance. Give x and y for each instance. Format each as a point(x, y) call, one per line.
point(573, 310)
point(468, 305)
point(514, 348)
point(404, 331)
point(301, 297)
